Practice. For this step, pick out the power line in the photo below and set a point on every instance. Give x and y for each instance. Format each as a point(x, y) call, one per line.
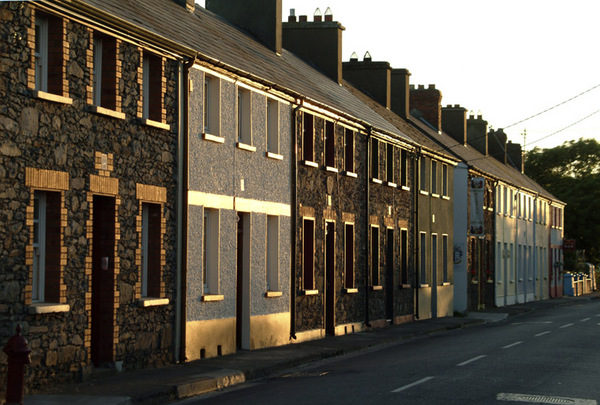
point(552, 108)
point(567, 127)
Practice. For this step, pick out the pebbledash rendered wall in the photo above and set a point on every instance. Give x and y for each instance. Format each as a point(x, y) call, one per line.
point(54, 142)
point(236, 183)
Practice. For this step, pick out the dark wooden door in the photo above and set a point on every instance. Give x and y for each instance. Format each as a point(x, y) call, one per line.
point(330, 275)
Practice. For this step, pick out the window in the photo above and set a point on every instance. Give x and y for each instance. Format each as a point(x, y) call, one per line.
point(423, 174)
point(375, 256)
point(434, 177)
point(445, 180)
point(404, 168)
point(152, 90)
point(349, 151)
point(349, 255)
point(329, 144)
point(49, 54)
point(390, 164)
point(272, 126)
point(434, 255)
point(272, 253)
point(374, 158)
point(244, 116)
point(308, 136)
point(308, 253)
point(210, 247)
point(46, 275)
point(445, 276)
point(105, 71)
point(151, 250)
point(212, 105)
point(404, 256)
point(423, 258)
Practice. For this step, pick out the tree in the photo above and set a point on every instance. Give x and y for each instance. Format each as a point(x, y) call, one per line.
point(571, 172)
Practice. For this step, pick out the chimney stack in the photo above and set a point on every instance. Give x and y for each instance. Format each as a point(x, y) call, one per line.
point(514, 155)
point(190, 5)
point(261, 18)
point(400, 92)
point(497, 145)
point(454, 122)
point(427, 103)
point(319, 42)
point(374, 78)
point(477, 133)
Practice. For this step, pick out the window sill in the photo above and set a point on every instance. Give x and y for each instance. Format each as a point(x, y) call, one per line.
point(331, 169)
point(391, 184)
point(55, 98)
point(446, 284)
point(423, 192)
point(405, 188)
point(434, 195)
point(107, 112)
point(156, 124)
point(404, 286)
point(423, 285)
point(350, 174)
point(273, 294)
point(153, 302)
point(275, 156)
point(376, 287)
point(213, 138)
point(309, 292)
point(351, 290)
point(445, 197)
point(245, 146)
point(376, 181)
point(310, 163)
point(212, 297)
point(48, 308)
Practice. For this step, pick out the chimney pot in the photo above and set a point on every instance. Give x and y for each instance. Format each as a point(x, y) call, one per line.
point(412, 86)
point(354, 57)
point(421, 87)
point(292, 16)
point(328, 14)
point(367, 57)
point(318, 16)
point(456, 105)
point(432, 86)
point(303, 18)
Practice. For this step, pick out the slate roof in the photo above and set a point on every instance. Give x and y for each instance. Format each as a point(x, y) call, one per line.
point(207, 33)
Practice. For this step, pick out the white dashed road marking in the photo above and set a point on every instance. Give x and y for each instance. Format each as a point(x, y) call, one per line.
point(542, 334)
point(464, 363)
point(566, 326)
point(512, 345)
point(421, 381)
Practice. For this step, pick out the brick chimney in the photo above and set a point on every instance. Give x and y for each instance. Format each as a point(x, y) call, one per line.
point(190, 5)
point(400, 96)
point(454, 122)
point(514, 155)
point(319, 42)
point(427, 103)
point(260, 18)
point(497, 145)
point(477, 133)
point(374, 78)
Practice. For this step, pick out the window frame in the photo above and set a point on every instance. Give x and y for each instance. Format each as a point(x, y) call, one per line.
point(244, 116)
point(349, 161)
point(211, 99)
point(374, 159)
point(349, 265)
point(211, 251)
point(308, 137)
point(329, 159)
point(404, 254)
point(41, 54)
point(423, 281)
point(445, 268)
point(273, 112)
point(423, 175)
point(272, 253)
point(375, 247)
point(389, 163)
point(434, 178)
point(445, 180)
point(308, 254)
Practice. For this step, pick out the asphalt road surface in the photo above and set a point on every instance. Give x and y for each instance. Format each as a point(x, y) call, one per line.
point(544, 357)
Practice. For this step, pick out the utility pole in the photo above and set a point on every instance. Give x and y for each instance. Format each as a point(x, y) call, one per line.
point(524, 139)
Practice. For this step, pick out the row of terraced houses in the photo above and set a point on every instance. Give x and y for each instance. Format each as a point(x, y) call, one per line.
point(179, 182)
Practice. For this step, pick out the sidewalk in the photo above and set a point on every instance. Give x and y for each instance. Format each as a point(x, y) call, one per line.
point(181, 381)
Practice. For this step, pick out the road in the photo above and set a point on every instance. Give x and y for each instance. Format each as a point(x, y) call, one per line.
point(548, 356)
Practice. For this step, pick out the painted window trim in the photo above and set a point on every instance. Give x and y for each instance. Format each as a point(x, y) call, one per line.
point(55, 98)
point(350, 174)
point(331, 169)
point(107, 112)
point(212, 297)
point(274, 156)
point(213, 138)
point(156, 124)
point(350, 290)
point(273, 294)
point(376, 287)
point(245, 146)
point(310, 292)
point(310, 163)
point(153, 302)
point(39, 308)
point(391, 184)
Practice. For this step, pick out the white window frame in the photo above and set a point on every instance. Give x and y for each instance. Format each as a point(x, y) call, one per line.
point(39, 247)
point(210, 251)
point(244, 116)
point(434, 177)
point(272, 126)
point(212, 104)
point(375, 255)
point(41, 53)
point(434, 256)
point(272, 255)
point(444, 180)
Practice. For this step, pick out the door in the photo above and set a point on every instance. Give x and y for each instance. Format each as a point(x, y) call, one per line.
point(103, 280)
point(434, 274)
point(389, 276)
point(243, 282)
point(330, 278)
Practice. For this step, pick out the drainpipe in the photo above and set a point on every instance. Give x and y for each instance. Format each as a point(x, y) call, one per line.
point(293, 216)
point(368, 228)
point(182, 203)
point(416, 191)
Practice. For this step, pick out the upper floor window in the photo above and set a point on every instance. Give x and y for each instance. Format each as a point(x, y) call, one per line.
point(308, 138)
point(211, 100)
point(329, 144)
point(390, 164)
point(434, 177)
point(404, 168)
point(152, 89)
point(445, 190)
point(423, 173)
point(104, 76)
point(272, 126)
point(244, 111)
point(41, 52)
point(49, 72)
point(349, 151)
point(374, 158)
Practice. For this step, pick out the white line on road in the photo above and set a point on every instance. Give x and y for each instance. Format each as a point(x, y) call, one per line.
point(464, 363)
point(585, 319)
point(512, 345)
point(566, 326)
point(542, 334)
point(421, 381)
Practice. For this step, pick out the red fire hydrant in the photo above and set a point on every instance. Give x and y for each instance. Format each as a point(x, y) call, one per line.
point(17, 351)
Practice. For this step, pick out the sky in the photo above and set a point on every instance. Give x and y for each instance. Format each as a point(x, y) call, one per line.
point(506, 60)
